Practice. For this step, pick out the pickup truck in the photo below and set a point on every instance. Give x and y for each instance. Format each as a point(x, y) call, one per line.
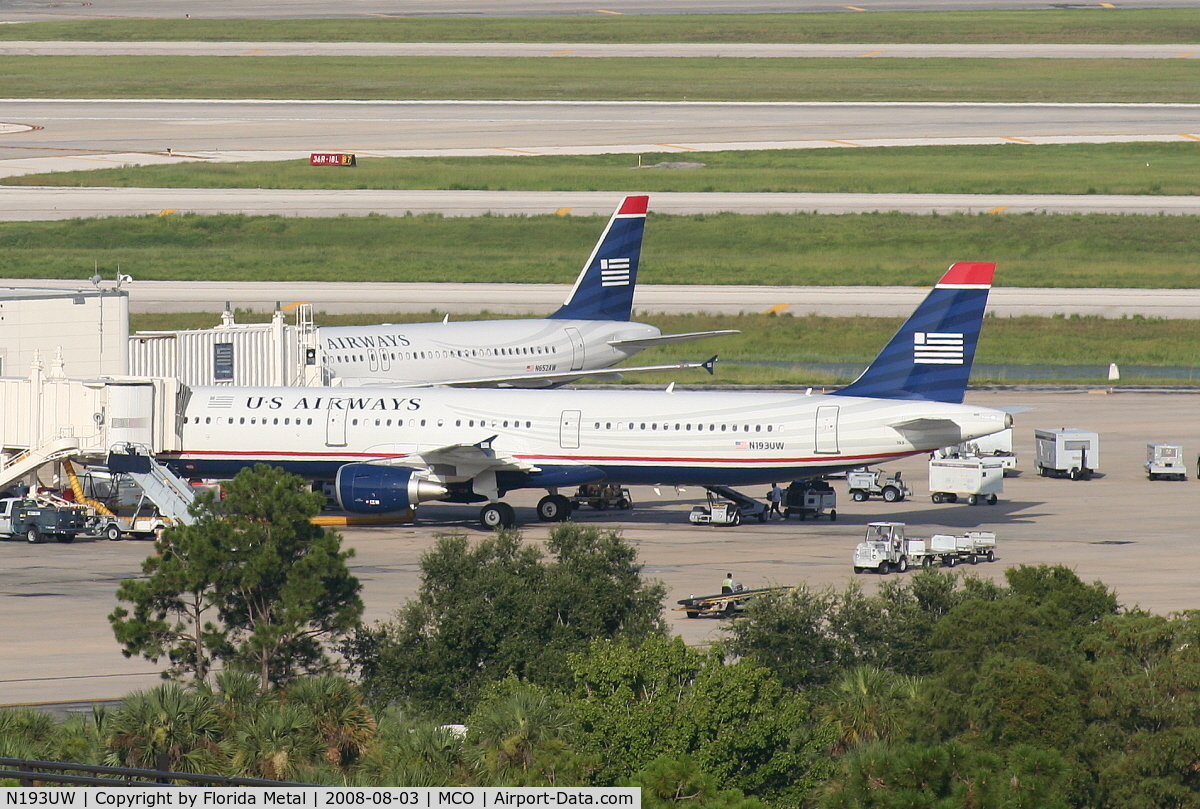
point(36, 519)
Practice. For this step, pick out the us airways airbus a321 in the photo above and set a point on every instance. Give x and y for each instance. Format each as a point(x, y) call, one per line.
point(388, 449)
point(590, 331)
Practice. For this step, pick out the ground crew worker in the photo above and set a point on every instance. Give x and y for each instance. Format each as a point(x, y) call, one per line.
point(727, 585)
point(775, 498)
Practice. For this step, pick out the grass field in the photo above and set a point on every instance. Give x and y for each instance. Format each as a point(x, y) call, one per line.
point(787, 339)
point(1092, 25)
point(871, 249)
point(665, 79)
point(1086, 168)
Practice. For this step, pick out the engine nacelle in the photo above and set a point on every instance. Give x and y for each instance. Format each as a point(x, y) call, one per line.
point(366, 488)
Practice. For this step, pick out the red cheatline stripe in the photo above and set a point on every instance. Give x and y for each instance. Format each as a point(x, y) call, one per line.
point(970, 272)
point(634, 205)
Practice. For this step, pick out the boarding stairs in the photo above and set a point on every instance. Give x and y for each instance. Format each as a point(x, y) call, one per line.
point(170, 493)
point(64, 446)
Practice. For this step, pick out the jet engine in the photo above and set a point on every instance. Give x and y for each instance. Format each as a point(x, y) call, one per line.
point(371, 489)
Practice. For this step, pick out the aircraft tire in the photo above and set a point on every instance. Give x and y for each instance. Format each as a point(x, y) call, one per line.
point(497, 516)
point(554, 508)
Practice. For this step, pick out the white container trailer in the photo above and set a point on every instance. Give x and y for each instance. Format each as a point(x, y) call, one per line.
point(1165, 461)
point(1067, 452)
point(969, 547)
point(977, 479)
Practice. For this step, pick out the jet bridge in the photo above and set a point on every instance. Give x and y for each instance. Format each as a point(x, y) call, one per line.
point(47, 418)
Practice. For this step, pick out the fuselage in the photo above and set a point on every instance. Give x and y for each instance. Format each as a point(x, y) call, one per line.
point(440, 352)
point(635, 437)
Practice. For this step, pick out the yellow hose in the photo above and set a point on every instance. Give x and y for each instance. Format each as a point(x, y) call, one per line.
point(80, 497)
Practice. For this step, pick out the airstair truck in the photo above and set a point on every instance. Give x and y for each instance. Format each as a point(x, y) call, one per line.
point(1067, 452)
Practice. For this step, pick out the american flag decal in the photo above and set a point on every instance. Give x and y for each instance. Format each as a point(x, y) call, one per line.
point(223, 402)
point(614, 272)
point(740, 445)
point(937, 348)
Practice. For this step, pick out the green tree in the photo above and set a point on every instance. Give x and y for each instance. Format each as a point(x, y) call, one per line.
point(252, 582)
point(948, 776)
point(497, 608)
point(735, 720)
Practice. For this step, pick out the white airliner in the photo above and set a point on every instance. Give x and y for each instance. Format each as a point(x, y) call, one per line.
point(590, 331)
point(388, 449)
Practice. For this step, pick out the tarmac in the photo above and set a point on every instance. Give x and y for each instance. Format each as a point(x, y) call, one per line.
point(1138, 537)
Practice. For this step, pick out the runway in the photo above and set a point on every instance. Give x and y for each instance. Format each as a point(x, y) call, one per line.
point(269, 129)
point(33, 11)
point(540, 299)
point(35, 203)
point(738, 50)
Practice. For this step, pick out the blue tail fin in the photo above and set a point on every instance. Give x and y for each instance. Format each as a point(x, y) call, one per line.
point(604, 289)
point(930, 357)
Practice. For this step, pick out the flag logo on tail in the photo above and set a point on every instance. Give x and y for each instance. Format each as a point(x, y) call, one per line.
point(614, 272)
point(937, 348)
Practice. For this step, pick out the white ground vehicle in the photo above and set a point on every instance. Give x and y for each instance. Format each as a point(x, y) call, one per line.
point(867, 482)
point(1165, 461)
point(727, 507)
point(997, 446)
point(977, 479)
point(885, 548)
point(1068, 452)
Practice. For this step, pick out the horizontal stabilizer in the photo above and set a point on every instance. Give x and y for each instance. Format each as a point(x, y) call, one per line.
point(666, 339)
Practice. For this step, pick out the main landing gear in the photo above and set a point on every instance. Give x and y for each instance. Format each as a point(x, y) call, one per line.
point(551, 508)
point(497, 515)
point(554, 508)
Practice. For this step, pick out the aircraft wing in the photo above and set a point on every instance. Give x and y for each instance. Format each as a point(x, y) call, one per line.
point(462, 460)
point(522, 380)
point(664, 339)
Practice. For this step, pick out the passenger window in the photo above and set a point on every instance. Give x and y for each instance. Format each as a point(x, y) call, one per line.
point(208, 419)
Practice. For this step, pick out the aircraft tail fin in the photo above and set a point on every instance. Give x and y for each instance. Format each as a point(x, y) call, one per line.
point(930, 356)
point(604, 288)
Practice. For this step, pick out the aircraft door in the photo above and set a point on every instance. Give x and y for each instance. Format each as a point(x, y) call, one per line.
point(335, 428)
point(827, 429)
point(373, 357)
point(568, 429)
point(577, 348)
point(385, 362)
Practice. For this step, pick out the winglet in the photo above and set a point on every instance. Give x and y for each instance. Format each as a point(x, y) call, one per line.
point(710, 364)
point(930, 356)
point(604, 288)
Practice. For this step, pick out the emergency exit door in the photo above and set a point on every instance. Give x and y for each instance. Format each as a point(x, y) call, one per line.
point(827, 429)
point(568, 429)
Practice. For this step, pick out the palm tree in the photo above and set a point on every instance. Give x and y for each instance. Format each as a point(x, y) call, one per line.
point(344, 724)
point(274, 742)
point(27, 733)
point(510, 731)
point(868, 704)
point(166, 728)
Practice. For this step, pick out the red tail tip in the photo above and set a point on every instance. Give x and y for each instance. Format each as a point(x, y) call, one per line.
point(634, 205)
point(970, 272)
